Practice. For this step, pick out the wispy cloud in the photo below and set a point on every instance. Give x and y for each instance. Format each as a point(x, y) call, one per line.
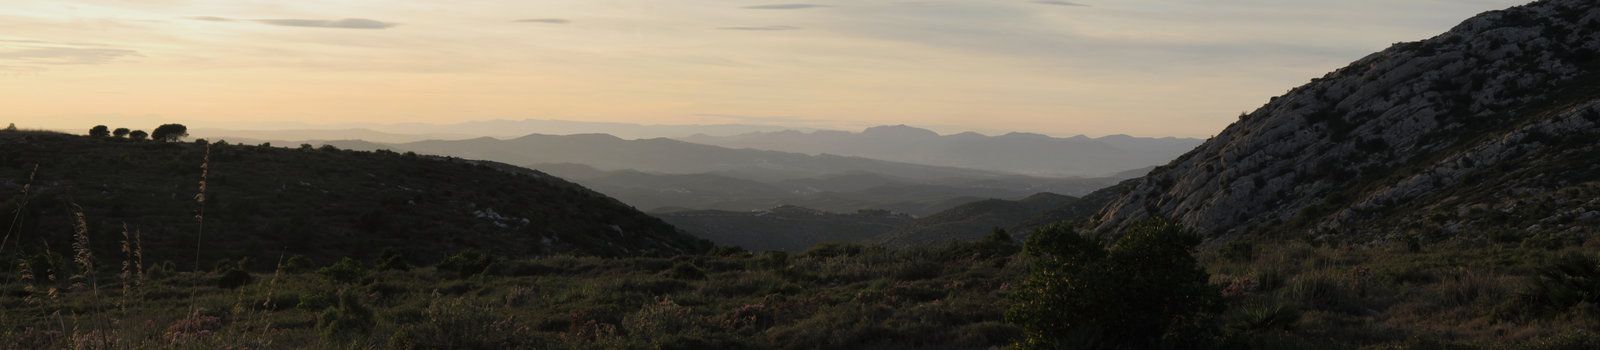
point(785, 7)
point(762, 28)
point(58, 55)
point(1058, 3)
point(544, 20)
point(348, 23)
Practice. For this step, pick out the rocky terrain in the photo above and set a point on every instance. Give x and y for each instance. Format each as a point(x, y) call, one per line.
point(1493, 126)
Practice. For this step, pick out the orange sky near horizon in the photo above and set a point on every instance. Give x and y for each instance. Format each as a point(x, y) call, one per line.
point(1141, 67)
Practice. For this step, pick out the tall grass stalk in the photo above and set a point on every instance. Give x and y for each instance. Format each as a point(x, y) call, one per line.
point(83, 256)
point(200, 219)
point(125, 277)
point(22, 201)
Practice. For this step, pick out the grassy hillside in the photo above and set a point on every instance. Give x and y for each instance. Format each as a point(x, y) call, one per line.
point(972, 221)
point(792, 229)
point(1280, 295)
point(264, 202)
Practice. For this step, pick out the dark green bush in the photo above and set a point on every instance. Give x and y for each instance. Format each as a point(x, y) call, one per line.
point(1238, 251)
point(347, 270)
point(347, 319)
point(1145, 291)
point(392, 260)
point(1263, 317)
point(468, 263)
point(234, 279)
point(1571, 279)
point(297, 264)
point(772, 260)
point(829, 250)
point(686, 271)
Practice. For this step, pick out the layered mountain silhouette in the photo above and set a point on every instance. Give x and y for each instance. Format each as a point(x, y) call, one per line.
point(837, 193)
point(666, 156)
point(268, 202)
point(1494, 125)
point(665, 174)
point(1021, 153)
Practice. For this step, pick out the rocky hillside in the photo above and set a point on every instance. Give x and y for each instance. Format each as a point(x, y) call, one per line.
point(263, 202)
point(1493, 126)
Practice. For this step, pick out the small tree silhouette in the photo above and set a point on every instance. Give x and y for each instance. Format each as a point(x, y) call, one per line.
point(138, 135)
point(99, 131)
point(120, 132)
point(170, 132)
point(12, 127)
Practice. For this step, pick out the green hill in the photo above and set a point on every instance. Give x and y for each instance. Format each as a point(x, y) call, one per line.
point(788, 228)
point(263, 202)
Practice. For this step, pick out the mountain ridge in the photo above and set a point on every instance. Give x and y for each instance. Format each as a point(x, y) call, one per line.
point(1467, 131)
point(1015, 152)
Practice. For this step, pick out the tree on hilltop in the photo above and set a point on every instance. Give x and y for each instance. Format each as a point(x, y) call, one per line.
point(170, 132)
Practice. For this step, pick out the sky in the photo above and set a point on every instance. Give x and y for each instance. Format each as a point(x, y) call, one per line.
point(1096, 67)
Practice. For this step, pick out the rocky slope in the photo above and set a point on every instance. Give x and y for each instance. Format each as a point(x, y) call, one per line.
point(1491, 126)
point(263, 202)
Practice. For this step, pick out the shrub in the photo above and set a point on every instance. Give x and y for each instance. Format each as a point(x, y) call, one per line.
point(829, 250)
point(138, 135)
point(297, 264)
point(234, 278)
point(772, 260)
point(347, 270)
point(392, 260)
point(1263, 317)
point(120, 132)
point(347, 319)
point(1319, 290)
point(1239, 251)
point(467, 263)
point(99, 131)
point(999, 235)
point(1571, 279)
point(686, 271)
point(1145, 291)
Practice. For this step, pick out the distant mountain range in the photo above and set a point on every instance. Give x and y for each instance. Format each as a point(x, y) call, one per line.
point(838, 193)
point(664, 174)
point(1019, 153)
point(514, 128)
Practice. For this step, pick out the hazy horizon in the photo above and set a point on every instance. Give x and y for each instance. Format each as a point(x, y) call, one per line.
point(1147, 68)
